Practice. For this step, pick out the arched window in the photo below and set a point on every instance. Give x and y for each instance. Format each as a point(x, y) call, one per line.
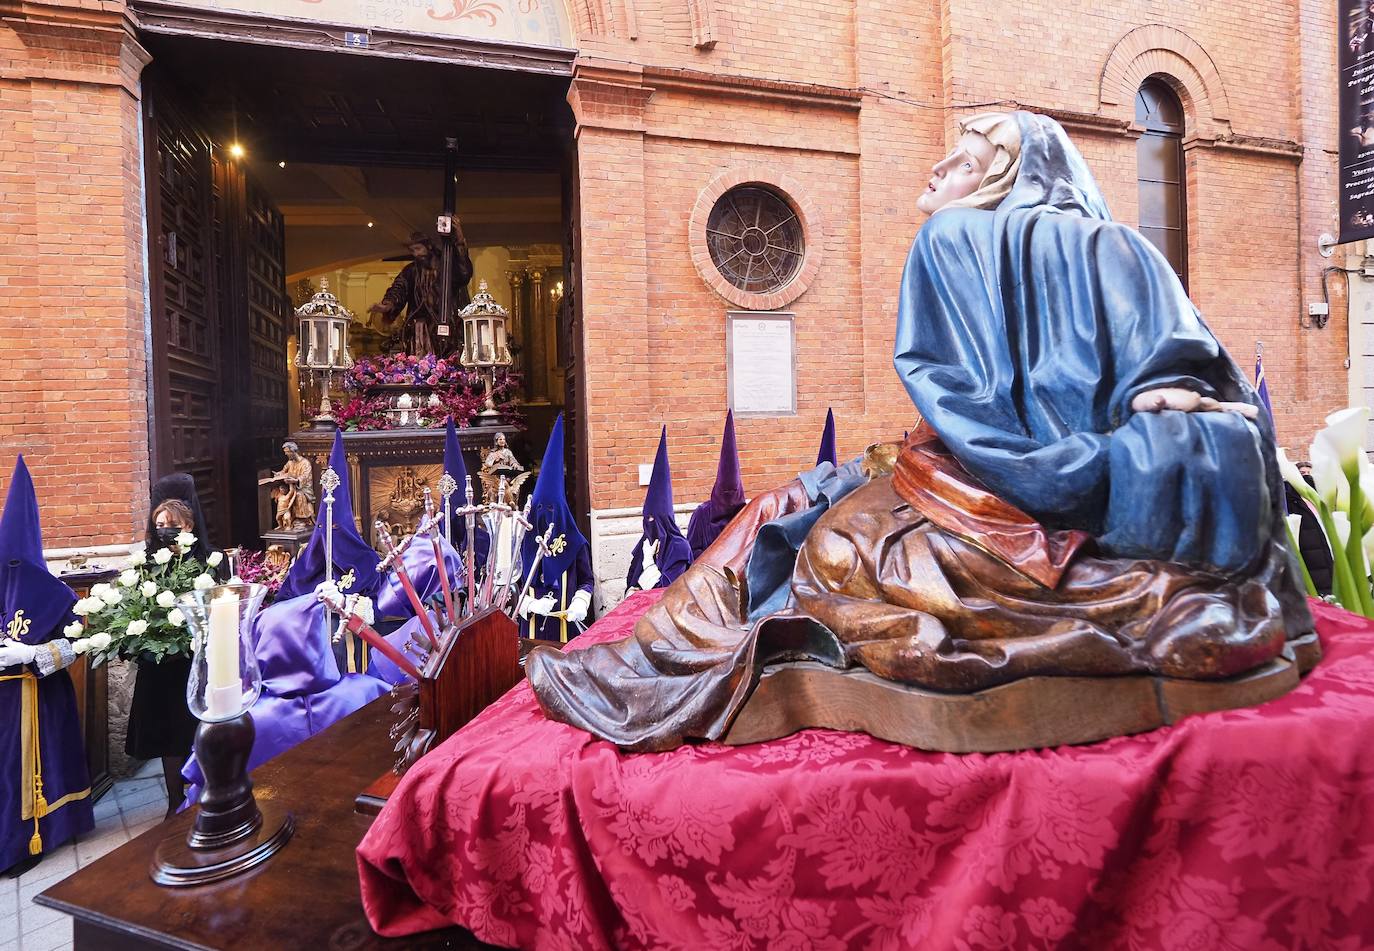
point(1159, 173)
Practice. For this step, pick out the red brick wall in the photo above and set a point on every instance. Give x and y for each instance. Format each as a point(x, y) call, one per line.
point(1256, 155)
point(852, 101)
point(73, 389)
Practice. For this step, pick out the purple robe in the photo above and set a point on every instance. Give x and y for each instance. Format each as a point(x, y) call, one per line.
point(660, 525)
point(727, 496)
point(34, 607)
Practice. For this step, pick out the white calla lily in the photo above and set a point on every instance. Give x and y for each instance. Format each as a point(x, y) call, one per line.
point(1289, 470)
point(1294, 526)
point(1326, 473)
point(1342, 522)
point(1345, 433)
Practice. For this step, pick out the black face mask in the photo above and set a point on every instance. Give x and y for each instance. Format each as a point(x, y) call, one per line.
point(168, 535)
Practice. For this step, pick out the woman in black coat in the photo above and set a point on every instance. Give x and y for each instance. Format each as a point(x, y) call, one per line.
point(1316, 553)
point(160, 723)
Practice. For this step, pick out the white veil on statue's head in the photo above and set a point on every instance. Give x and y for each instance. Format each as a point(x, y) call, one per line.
point(1036, 166)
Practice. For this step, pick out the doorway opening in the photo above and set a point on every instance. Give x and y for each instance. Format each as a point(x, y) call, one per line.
point(273, 172)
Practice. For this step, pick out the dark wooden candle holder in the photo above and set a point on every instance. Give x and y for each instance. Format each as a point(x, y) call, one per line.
point(231, 833)
point(477, 662)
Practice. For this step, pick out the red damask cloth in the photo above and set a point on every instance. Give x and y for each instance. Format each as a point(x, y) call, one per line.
point(1250, 829)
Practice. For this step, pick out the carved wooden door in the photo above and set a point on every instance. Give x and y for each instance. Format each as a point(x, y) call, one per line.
point(251, 268)
point(186, 317)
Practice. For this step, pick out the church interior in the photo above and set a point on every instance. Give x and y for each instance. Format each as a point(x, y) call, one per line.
point(284, 168)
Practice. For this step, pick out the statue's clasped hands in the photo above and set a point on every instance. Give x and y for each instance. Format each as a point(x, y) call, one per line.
point(1186, 401)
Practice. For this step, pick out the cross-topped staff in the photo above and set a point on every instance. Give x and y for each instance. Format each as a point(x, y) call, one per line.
point(517, 544)
point(439, 564)
point(393, 559)
point(469, 512)
point(495, 517)
point(354, 623)
point(543, 549)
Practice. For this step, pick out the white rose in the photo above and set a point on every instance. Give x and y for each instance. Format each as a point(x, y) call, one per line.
point(136, 628)
point(166, 599)
point(81, 646)
point(73, 629)
point(175, 617)
point(162, 556)
point(98, 591)
point(215, 558)
point(185, 540)
point(149, 588)
point(128, 577)
point(99, 641)
point(203, 583)
point(112, 596)
point(138, 559)
point(85, 606)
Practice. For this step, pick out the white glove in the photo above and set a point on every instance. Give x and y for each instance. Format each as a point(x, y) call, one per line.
point(579, 606)
point(530, 605)
point(15, 654)
point(648, 571)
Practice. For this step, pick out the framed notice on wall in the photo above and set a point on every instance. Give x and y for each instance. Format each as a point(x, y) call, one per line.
point(761, 363)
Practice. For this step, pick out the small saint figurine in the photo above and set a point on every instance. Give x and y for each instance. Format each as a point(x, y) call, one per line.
point(293, 490)
point(416, 291)
point(44, 787)
point(498, 462)
point(1090, 491)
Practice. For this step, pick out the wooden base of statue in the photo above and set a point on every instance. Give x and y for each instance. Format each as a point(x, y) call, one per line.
point(291, 540)
point(1033, 713)
point(479, 662)
point(231, 833)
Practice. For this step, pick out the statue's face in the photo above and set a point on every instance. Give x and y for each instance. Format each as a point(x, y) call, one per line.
point(290, 451)
point(500, 440)
point(420, 251)
point(959, 174)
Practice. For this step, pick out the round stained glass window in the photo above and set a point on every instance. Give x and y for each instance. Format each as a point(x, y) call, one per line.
point(755, 239)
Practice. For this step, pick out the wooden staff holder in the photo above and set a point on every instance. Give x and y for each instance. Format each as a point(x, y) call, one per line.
point(477, 664)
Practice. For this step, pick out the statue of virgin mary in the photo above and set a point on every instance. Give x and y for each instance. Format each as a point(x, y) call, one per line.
point(1090, 491)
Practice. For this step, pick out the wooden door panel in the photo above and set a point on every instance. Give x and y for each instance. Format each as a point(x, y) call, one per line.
point(187, 363)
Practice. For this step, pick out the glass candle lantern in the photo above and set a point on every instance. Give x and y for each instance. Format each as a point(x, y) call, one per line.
point(485, 347)
point(322, 349)
point(225, 680)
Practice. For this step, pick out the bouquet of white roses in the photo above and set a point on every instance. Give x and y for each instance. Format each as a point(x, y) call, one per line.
point(137, 615)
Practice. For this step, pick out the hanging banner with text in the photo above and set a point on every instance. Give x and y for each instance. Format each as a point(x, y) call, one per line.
point(1355, 34)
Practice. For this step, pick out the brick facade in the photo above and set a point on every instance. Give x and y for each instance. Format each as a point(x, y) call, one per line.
point(842, 106)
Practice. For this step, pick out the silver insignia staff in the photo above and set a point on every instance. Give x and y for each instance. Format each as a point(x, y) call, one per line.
point(393, 559)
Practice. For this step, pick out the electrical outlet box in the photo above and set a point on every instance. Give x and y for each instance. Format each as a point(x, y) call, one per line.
point(1318, 310)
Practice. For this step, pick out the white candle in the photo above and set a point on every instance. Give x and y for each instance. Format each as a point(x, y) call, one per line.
point(223, 687)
